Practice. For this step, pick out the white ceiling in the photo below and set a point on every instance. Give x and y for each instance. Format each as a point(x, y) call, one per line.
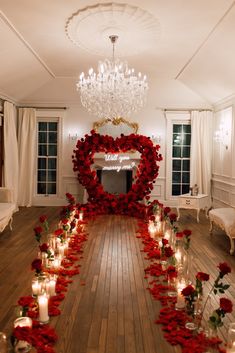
point(187, 49)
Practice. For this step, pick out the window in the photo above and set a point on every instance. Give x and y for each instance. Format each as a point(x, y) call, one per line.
point(178, 153)
point(47, 161)
point(181, 140)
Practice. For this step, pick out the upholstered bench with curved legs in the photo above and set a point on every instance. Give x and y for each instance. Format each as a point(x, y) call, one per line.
point(7, 208)
point(225, 219)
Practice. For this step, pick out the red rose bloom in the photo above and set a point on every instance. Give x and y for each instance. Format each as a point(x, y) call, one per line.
point(226, 305)
point(171, 271)
point(44, 247)
point(172, 217)
point(224, 268)
point(64, 221)
point(58, 232)
point(166, 210)
point(201, 276)
point(164, 241)
point(37, 265)
point(43, 218)
point(168, 251)
point(26, 301)
point(187, 232)
point(38, 229)
point(179, 235)
point(187, 291)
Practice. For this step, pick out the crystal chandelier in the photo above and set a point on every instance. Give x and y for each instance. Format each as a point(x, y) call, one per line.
point(115, 91)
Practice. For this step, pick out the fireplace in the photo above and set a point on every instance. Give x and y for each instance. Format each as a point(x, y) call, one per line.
point(115, 182)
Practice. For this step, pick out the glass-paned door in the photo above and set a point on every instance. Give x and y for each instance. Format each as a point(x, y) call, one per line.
point(47, 160)
point(181, 141)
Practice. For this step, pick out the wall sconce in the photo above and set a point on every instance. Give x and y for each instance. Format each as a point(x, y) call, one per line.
point(73, 136)
point(156, 138)
point(222, 135)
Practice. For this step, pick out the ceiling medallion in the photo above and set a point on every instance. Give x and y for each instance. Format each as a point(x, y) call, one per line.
point(89, 28)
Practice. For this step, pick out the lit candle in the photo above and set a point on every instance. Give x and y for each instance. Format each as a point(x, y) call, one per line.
point(167, 234)
point(180, 304)
point(52, 285)
point(81, 216)
point(36, 287)
point(178, 256)
point(157, 218)
point(61, 250)
point(43, 308)
point(57, 263)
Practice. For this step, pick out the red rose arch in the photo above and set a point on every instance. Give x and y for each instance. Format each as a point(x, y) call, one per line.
point(146, 173)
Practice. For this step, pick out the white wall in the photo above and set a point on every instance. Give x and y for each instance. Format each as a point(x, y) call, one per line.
point(223, 162)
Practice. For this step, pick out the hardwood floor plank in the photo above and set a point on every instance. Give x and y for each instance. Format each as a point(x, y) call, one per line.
point(113, 311)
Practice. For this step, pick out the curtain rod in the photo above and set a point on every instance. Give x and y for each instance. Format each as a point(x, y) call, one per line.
point(187, 110)
point(44, 108)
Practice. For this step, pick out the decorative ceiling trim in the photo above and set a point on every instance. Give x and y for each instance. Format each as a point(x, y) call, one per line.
point(204, 41)
point(27, 45)
point(90, 27)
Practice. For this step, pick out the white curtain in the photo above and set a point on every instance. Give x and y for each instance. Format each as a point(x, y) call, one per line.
point(201, 150)
point(27, 154)
point(11, 167)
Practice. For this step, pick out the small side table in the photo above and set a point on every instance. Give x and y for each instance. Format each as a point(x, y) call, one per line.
point(192, 202)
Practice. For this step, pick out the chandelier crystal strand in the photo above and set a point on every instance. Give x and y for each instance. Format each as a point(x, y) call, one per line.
point(115, 90)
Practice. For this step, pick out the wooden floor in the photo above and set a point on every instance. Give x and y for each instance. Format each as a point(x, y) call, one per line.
point(113, 311)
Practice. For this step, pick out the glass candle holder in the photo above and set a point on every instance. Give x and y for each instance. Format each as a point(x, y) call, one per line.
point(21, 346)
point(3, 343)
point(231, 338)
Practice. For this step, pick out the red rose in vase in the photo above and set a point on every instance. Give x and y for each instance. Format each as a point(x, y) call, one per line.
point(224, 269)
point(226, 305)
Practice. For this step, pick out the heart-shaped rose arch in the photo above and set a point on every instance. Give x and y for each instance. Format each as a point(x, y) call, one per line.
point(145, 176)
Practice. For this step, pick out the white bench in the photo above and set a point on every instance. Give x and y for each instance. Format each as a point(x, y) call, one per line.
point(225, 219)
point(7, 207)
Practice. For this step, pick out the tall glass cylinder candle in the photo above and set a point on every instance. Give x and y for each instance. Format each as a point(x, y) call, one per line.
point(20, 345)
point(43, 308)
point(231, 338)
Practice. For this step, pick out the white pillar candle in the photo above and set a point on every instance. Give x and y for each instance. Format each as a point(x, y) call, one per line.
point(43, 308)
point(36, 287)
point(52, 284)
point(180, 303)
point(61, 250)
point(167, 234)
point(80, 216)
point(157, 218)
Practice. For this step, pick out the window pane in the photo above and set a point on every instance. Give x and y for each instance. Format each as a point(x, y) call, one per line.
point(177, 128)
point(41, 188)
point(177, 152)
point(185, 178)
point(52, 150)
point(51, 163)
point(186, 152)
point(176, 139)
point(175, 189)
point(176, 177)
point(187, 128)
point(41, 175)
point(52, 137)
point(51, 175)
point(185, 189)
point(51, 188)
point(41, 163)
point(187, 139)
point(52, 126)
point(186, 164)
point(42, 126)
point(42, 150)
point(176, 165)
point(42, 137)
